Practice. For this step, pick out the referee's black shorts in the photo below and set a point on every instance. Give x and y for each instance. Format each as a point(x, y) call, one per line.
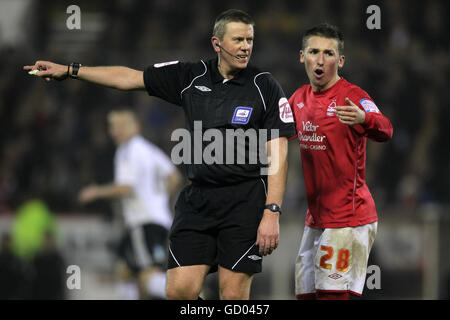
point(218, 226)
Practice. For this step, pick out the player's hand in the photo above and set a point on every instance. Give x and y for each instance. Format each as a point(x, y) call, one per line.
point(268, 236)
point(350, 114)
point(48, 70)
point(88, 194)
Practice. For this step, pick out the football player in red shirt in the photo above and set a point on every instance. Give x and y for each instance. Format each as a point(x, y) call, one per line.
point(333, 120)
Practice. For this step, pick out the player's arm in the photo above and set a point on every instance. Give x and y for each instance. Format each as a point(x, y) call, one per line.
point(268, 235)
point(110, 191)
point(117, 77)
point(375, 125)
point(173, 182)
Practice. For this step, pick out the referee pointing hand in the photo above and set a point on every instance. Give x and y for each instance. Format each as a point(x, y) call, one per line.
point(228, 217)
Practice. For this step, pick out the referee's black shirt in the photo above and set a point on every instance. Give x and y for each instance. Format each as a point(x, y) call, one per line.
point(251, 101)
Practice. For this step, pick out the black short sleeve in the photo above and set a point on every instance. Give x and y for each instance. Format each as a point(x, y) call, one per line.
point(278, 113)
point(167, 80)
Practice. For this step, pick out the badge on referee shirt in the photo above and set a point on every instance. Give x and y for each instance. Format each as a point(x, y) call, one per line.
point(242, 115)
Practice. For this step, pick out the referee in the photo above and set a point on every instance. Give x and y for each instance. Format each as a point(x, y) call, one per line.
point(228, 217)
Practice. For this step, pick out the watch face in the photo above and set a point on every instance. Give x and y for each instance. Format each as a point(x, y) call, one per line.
point(273, 207)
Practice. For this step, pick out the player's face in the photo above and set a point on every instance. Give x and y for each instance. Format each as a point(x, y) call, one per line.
point(322, 61)
point(122, 127)
point(238, 41)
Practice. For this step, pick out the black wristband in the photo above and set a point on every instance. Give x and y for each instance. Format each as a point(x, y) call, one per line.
point(273, 207)
point(75, 67)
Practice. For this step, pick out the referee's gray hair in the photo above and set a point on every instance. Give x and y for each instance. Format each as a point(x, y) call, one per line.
point(231, 15)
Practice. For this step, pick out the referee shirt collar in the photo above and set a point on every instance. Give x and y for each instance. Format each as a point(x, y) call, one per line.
point(216, 77)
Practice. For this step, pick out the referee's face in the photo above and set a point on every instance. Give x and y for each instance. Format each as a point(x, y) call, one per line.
point(237, 44)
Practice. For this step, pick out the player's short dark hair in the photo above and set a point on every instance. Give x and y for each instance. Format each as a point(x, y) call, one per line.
point(123, 110)
point(327, 31)
point(231, 15)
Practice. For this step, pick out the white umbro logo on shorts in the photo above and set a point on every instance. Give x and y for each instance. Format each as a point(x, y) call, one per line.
point(203, 88)
point(335, 276)
point(254, 257)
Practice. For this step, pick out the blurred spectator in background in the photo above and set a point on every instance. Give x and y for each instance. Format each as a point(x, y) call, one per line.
point(49, 271)
point(11, 269)
point(144, 179)
point(32, 222)
point(33, 233)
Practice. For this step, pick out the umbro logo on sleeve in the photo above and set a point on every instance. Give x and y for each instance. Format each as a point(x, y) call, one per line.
point(203, 88)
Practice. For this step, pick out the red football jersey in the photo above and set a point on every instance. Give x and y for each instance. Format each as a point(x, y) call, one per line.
point(334, 154)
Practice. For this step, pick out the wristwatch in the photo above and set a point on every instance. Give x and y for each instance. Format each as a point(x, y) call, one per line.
point(273, 207)
point(75, 67)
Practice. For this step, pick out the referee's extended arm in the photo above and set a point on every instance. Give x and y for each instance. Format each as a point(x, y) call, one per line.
point(117, 77)
point(268, 236)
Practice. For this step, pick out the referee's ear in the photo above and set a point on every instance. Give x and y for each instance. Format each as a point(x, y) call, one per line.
point(215, 43)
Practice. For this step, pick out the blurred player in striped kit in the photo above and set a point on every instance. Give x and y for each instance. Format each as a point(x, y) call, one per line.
point(144, 179)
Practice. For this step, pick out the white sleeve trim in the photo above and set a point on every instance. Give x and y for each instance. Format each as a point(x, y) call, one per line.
point(259, 90)
point(206, 69)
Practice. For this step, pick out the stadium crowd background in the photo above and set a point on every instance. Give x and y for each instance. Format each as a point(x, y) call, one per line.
point(54, 140)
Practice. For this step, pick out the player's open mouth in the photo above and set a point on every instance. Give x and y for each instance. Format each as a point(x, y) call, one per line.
point(318, 73)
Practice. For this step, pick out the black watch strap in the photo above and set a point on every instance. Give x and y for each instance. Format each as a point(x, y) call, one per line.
point(273, 207)
point(75, 67)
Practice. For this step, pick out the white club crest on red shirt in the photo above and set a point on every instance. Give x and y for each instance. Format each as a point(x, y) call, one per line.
point(331, 109)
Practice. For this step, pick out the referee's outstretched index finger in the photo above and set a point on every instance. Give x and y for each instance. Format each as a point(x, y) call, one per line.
point(41, 69)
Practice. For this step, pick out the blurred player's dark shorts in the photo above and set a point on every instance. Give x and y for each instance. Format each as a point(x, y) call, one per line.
point(218, 226)
point(144, 246)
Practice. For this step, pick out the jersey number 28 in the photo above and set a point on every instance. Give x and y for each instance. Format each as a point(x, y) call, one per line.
point(342, 259)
